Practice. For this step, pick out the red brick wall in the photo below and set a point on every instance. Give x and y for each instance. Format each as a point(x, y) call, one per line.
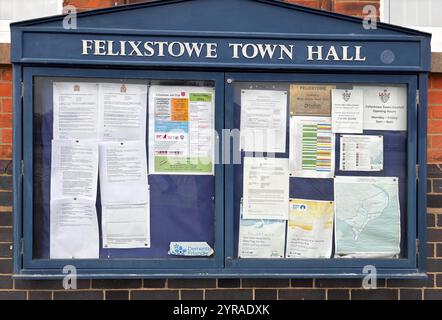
point(435, 119)
point(83, 5)
point(5, 113)
point(349, 7)
point(228, 288)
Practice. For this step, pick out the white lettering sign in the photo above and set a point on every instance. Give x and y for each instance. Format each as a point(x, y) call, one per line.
point(205, 50)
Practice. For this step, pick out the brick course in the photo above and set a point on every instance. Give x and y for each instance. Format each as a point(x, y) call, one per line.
point(241, 289)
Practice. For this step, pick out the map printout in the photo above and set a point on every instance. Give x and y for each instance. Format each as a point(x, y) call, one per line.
point(367, 216)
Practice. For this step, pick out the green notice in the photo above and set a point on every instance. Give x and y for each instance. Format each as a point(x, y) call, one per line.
point(203, 97)
point(191, 165)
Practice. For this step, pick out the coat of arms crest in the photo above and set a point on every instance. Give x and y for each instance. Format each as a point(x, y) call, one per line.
point(346, 95)
point(384, 96)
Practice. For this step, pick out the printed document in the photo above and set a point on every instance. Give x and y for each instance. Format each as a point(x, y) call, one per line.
point(385, 108)
point(126, 226)
point(266, 188)
point(76, 114)
point(367, 217)
point(74, 229)
point(263, 120)
point(74, 168)
point(310, 229)
point(123, 172)
point(181, 130)
point(361, 153)
point(123, 111)
point(312, 147)
point(347, 111)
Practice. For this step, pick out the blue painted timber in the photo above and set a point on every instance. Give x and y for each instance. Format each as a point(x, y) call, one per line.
point(133, 42)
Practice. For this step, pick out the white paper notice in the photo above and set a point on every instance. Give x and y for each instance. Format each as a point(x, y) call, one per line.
point(312, 147)
point(385, 108)
point(123, 108)
point(361, 153)
point(74, 168)
point(181, 130)
point(347, 111)
point(74, 229)
point(261, 238)
point(123, 172)
point(76, 114)
point(310, 229)
point(367, 217)
point(263, 120)
point(126, 226)
point(266, 188)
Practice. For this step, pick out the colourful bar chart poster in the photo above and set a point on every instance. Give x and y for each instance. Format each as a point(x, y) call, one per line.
point(311, 147)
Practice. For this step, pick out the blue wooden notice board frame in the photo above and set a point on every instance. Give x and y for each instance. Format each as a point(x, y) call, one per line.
point(387, 54)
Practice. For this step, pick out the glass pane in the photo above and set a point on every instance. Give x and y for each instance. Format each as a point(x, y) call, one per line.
point(323, 170)
point(171, 216)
